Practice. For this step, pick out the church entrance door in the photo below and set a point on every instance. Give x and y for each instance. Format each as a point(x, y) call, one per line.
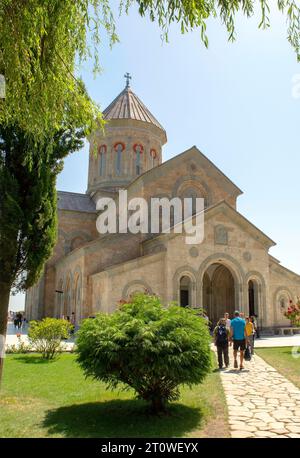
point(218, 292)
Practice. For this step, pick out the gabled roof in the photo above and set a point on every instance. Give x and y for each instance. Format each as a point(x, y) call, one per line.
point(278, 267)
point(193, 151)
point(241, 221)
point(75, 202)
point(127, 105)
point(234, 216)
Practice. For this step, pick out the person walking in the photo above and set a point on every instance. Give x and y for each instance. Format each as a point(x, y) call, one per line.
point(73, 322)
point(16, 322)
point(255, 317)
point(19, 320)
point(238, 337)
point(249, 328)
point(221, 338)
point(228, 321)
point(252, 319)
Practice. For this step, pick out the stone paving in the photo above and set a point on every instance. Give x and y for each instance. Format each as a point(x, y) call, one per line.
point(261, 402)
point(278, 341)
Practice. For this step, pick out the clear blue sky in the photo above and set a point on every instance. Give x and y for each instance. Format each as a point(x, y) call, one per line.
point(233, 101)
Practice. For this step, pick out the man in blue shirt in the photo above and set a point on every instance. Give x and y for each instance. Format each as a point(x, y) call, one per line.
point(238, 336)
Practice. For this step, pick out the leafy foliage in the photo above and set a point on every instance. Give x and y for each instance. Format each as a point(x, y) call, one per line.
point(44, 42)
point(194, 14)
point(28, 221)
point(40, 41)
point(147, 347)
point(45, 336)
point(293, 313)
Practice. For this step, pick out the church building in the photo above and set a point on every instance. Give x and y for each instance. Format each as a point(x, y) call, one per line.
point(90, 272)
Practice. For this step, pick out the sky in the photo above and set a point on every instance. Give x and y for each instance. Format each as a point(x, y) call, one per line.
point(236, 102)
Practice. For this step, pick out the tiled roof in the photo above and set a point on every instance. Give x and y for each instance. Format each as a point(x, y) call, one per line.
point(75, 202)
point(127, 105)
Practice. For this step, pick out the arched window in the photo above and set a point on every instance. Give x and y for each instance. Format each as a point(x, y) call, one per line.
point(67, 298)
point(153, 155)
point(102, 159)
point(119, 148)
point(282, 303)
point(138, 152)
point(77, 242)
point(193, 191)
point(60, 298)
point(77, 298)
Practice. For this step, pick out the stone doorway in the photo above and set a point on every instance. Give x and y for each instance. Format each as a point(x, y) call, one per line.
point(253, 297)
point(185, 291)
point(218, 292)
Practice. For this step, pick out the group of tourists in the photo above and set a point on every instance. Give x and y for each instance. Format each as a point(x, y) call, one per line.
point(239, 332)
point(19, 320)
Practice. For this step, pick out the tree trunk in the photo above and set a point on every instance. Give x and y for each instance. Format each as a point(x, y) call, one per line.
point(4, 303)
point(158, 405)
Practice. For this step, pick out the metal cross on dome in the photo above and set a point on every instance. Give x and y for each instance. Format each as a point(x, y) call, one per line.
point(128, 78)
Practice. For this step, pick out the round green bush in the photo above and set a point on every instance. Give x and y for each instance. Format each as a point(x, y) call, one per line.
point(147, 347)
point(45, 336)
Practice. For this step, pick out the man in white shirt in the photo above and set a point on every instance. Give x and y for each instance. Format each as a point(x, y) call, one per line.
point(228, 321)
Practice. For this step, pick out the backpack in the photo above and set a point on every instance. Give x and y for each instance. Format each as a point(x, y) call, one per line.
point(222, 335)
point(247, 354)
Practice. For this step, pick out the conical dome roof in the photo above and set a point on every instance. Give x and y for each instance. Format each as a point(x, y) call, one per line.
point(127, 105)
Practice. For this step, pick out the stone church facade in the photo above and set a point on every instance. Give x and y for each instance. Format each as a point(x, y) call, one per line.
point(88, 272)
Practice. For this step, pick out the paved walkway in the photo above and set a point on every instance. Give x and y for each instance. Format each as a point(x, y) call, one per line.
point(261, 402)
point(278, 341)
point(263, 342)
point(12, 339)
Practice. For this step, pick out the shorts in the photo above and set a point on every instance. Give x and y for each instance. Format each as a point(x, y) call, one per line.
point(239, 345)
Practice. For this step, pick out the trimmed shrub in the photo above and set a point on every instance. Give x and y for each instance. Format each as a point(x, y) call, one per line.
point(147, 347)
point(45, 336)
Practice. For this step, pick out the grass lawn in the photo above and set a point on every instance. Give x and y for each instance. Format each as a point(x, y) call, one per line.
point(281, 358)
point(53, 399)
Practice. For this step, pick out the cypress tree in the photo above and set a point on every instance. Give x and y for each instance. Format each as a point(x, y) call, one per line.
point(28, 216)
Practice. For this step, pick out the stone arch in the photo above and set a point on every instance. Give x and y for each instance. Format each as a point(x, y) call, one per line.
point(77, 294)
point(185, 271)
point(192, 182)
point(282, 292)
point(77, 242)
point(139, 157)
point(260, 294)
point(233, 266)
point(136, 286)
point(59, 298)
point(76, 239)
point(68, 295)
point(218, 292)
